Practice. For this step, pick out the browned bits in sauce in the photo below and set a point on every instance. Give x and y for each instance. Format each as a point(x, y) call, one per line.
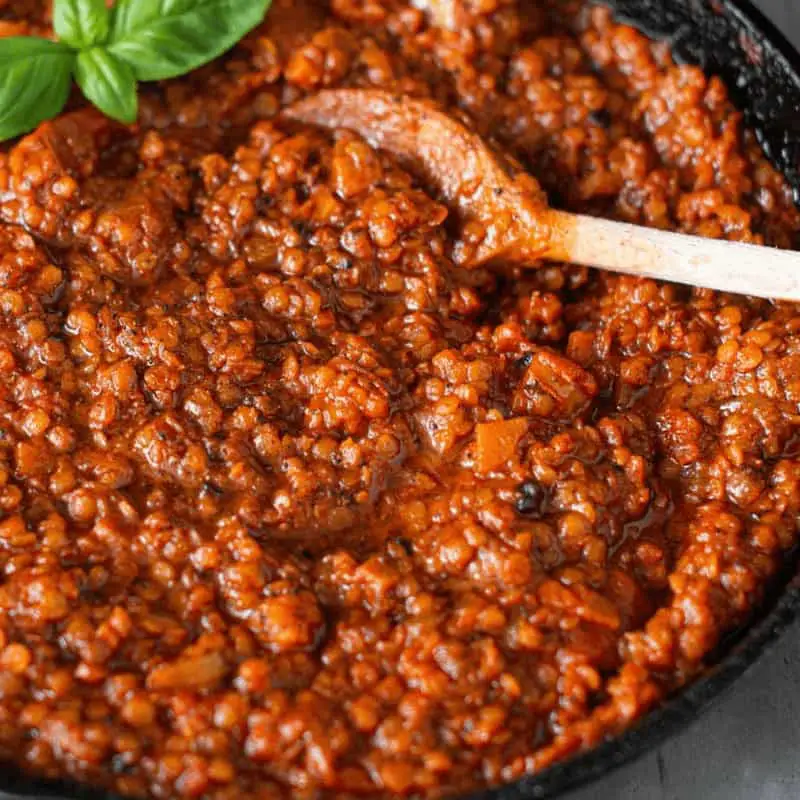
point(290, 504)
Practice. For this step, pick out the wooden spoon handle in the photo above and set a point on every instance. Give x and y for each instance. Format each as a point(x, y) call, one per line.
point(646, 252)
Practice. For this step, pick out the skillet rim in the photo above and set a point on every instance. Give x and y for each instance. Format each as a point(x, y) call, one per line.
point(742, 650)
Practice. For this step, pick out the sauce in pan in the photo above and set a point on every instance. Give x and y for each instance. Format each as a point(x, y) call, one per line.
point(291, 503)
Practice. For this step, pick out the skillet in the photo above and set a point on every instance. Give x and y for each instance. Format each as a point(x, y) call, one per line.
point(730, 38)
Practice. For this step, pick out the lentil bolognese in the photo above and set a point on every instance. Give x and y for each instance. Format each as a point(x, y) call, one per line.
point(291, 501)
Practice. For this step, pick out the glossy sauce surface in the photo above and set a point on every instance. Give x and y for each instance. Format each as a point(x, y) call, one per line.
point(291, 502)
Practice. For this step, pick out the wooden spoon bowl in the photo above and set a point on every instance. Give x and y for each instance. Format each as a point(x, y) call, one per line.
point(487, 188)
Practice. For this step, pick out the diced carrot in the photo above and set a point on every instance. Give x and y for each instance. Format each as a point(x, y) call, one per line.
point(571, 386)
point(189, 672)
point(496, 442)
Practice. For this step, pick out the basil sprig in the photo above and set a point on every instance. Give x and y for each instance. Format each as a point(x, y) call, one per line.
point(109, 50)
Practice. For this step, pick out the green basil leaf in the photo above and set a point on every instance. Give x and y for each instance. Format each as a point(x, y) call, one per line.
point(81, 23)
point(166, 38)
point(108, 82)
point(35, 79)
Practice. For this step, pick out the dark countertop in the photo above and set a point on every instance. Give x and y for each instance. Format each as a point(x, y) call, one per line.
point(747, 747)
point(786, 14)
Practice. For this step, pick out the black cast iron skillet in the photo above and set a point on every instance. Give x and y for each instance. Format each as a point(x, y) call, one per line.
point(730, 38)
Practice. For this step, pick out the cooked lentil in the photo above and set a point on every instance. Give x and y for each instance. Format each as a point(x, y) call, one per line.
point(292, 504)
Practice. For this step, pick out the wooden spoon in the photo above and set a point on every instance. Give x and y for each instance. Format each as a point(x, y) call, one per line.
point(493, 194)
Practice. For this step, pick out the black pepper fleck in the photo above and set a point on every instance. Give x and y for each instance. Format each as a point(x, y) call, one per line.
point(601, 117)
point(530, 497)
